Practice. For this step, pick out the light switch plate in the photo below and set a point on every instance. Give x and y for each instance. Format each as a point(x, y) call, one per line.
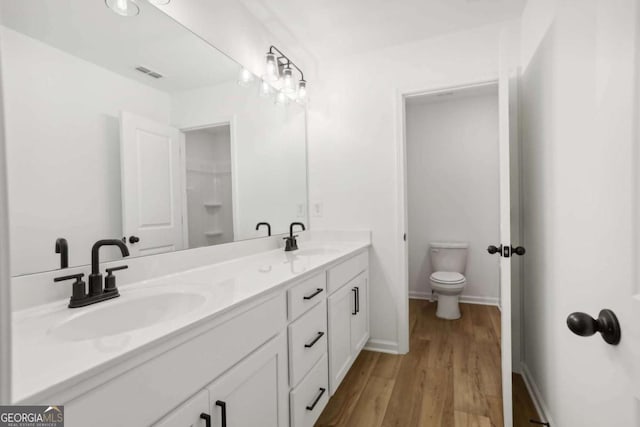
point(316, 209)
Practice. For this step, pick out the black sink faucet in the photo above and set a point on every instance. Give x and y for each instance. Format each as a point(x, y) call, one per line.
point(291, 243)
point(97, 292)
point(62, 248)
point(95, 278)
point(266, 224)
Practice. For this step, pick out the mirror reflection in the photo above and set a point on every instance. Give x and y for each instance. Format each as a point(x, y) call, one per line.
point(132, 127)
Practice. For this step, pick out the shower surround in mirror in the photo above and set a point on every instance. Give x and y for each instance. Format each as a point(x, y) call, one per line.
point(99, 149)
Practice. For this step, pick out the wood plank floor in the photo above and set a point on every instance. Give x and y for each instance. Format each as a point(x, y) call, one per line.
point(450, 378)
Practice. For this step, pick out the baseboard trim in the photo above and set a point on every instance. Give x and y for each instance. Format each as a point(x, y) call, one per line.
point(382, 346)
point(466, 299)
point(541, 408)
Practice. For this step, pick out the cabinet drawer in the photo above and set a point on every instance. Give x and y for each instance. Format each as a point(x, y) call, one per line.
point(307, 341)
point(311, 396)
point(305, 295)
point(339, 275)
point(189, 413)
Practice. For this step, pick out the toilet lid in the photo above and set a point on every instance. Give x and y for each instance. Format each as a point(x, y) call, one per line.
point(447, 277)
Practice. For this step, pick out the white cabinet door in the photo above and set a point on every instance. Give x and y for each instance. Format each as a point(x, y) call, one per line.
point(192, 413)
point(253, 392)
point(340, 310)
point(359, 320)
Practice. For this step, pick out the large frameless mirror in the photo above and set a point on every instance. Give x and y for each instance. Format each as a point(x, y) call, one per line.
point(129, 126)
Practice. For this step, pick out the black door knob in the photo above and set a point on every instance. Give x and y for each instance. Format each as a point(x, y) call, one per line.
point(519, 250)
point(607, 324)
point(134, 239)
point(494, 249)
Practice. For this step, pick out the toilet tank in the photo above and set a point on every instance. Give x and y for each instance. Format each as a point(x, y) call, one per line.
point(449, 256)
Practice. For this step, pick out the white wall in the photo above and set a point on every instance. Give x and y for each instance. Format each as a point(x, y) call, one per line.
point(579, 135)
point(63, 152)
point(268, 152)
point(453, 187)
point(353, 163)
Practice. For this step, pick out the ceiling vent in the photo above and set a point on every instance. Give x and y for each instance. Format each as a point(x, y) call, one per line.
point(150, 73)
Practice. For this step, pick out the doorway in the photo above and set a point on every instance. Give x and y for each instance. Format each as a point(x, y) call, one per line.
point(490, 276)
point(209, 185)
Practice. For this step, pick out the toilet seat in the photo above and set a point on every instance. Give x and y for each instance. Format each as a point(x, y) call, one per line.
point(447, 278)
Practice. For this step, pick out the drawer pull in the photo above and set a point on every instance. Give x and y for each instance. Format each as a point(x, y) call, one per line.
point(316, 400)
point(206, 418)
point(223, 412)
point(315, 340)
point(317, 291)
point(355, 301)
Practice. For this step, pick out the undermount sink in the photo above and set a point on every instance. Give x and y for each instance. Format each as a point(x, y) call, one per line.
point(316, 251)
point(122, 315)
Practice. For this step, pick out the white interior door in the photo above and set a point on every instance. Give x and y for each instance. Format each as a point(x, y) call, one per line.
point(152, 185)
point(505, 236)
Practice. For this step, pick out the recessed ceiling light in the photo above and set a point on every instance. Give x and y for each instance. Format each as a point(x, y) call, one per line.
point(123, 7)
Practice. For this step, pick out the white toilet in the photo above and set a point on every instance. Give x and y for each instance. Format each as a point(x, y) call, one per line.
point(449, 260)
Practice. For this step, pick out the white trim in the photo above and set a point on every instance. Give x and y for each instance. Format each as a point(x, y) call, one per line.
point(382, 346)
point(5, 266)
point(465, 299)
point(538, 402)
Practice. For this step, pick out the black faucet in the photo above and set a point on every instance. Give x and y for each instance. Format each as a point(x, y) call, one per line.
point(97, 292)
point(62, 248)
point(291, 243)
point(95, 278)
point(267, 225)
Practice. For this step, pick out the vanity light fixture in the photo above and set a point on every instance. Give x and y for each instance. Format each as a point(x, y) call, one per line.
point(271, 69)
point(302, 97)
point(282, 65)
point(123, 7)
point(288, 86)
point(246, 77)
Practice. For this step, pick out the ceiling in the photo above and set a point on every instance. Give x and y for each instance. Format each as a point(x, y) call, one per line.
point(328, 28)
point(89, 30)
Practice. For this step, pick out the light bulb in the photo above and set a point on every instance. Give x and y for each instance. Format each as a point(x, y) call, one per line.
point(123, 7)
point(288, 86)
point(266, 89)
point(282, 98)
point(271, 68)
point(303, 95)
point(246, 77)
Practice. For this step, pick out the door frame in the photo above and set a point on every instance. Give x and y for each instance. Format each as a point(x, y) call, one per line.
point(401, 96)
point(224, 121)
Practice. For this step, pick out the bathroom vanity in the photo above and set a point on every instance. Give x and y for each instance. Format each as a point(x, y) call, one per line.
point(262, 340)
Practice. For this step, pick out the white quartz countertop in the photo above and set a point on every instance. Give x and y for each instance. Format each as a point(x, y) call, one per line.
point(46, 361)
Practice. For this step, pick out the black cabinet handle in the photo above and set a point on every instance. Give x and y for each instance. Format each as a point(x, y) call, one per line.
point(355, 301)
point(317, 291)
point(206, 418)
point(223, 412)
point(316, 400)
point(134, 239)
point(315, 340)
